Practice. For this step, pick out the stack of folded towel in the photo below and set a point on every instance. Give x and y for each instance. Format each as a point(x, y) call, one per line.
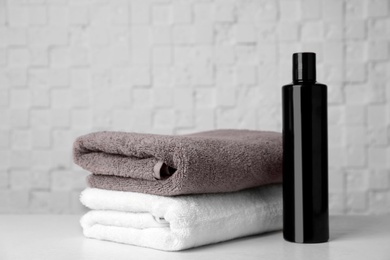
point(177, 192)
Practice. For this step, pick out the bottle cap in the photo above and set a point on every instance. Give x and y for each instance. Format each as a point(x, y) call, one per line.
point(304, 66)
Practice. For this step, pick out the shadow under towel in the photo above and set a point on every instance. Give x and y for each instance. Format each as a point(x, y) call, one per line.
point(206, 162)
point(181, 222)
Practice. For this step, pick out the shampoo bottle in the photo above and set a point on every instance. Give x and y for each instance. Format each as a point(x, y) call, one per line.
point(305, 154)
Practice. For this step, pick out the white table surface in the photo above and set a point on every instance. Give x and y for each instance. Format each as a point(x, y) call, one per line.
point(59, 237)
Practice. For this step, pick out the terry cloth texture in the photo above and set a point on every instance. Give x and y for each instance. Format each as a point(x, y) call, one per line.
point(206, 162)
point(181, 222)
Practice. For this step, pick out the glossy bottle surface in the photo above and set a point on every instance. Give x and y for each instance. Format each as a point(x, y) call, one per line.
point(305, 162)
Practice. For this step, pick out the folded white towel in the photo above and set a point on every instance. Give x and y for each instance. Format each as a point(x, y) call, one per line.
point(176, 223)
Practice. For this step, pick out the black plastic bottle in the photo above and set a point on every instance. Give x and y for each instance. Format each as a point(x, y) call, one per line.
point(305, 154)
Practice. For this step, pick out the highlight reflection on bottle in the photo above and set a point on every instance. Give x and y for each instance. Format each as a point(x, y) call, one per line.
point(305, 154)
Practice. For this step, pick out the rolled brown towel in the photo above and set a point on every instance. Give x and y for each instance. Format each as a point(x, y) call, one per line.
point(205, 162)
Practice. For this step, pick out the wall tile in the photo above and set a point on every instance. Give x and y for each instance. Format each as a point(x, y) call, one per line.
point(176, 67)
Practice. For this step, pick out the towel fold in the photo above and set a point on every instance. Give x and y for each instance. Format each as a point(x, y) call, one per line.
point(206, 162)
point(177, 223)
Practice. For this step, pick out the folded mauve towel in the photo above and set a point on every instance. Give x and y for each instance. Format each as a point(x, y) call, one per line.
point(176, 223)
point(206, 162)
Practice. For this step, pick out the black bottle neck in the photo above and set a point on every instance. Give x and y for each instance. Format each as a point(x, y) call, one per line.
point(301, 82)
point(304, 67)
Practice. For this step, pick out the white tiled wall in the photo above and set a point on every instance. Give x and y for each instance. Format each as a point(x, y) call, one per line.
point(69, 67)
